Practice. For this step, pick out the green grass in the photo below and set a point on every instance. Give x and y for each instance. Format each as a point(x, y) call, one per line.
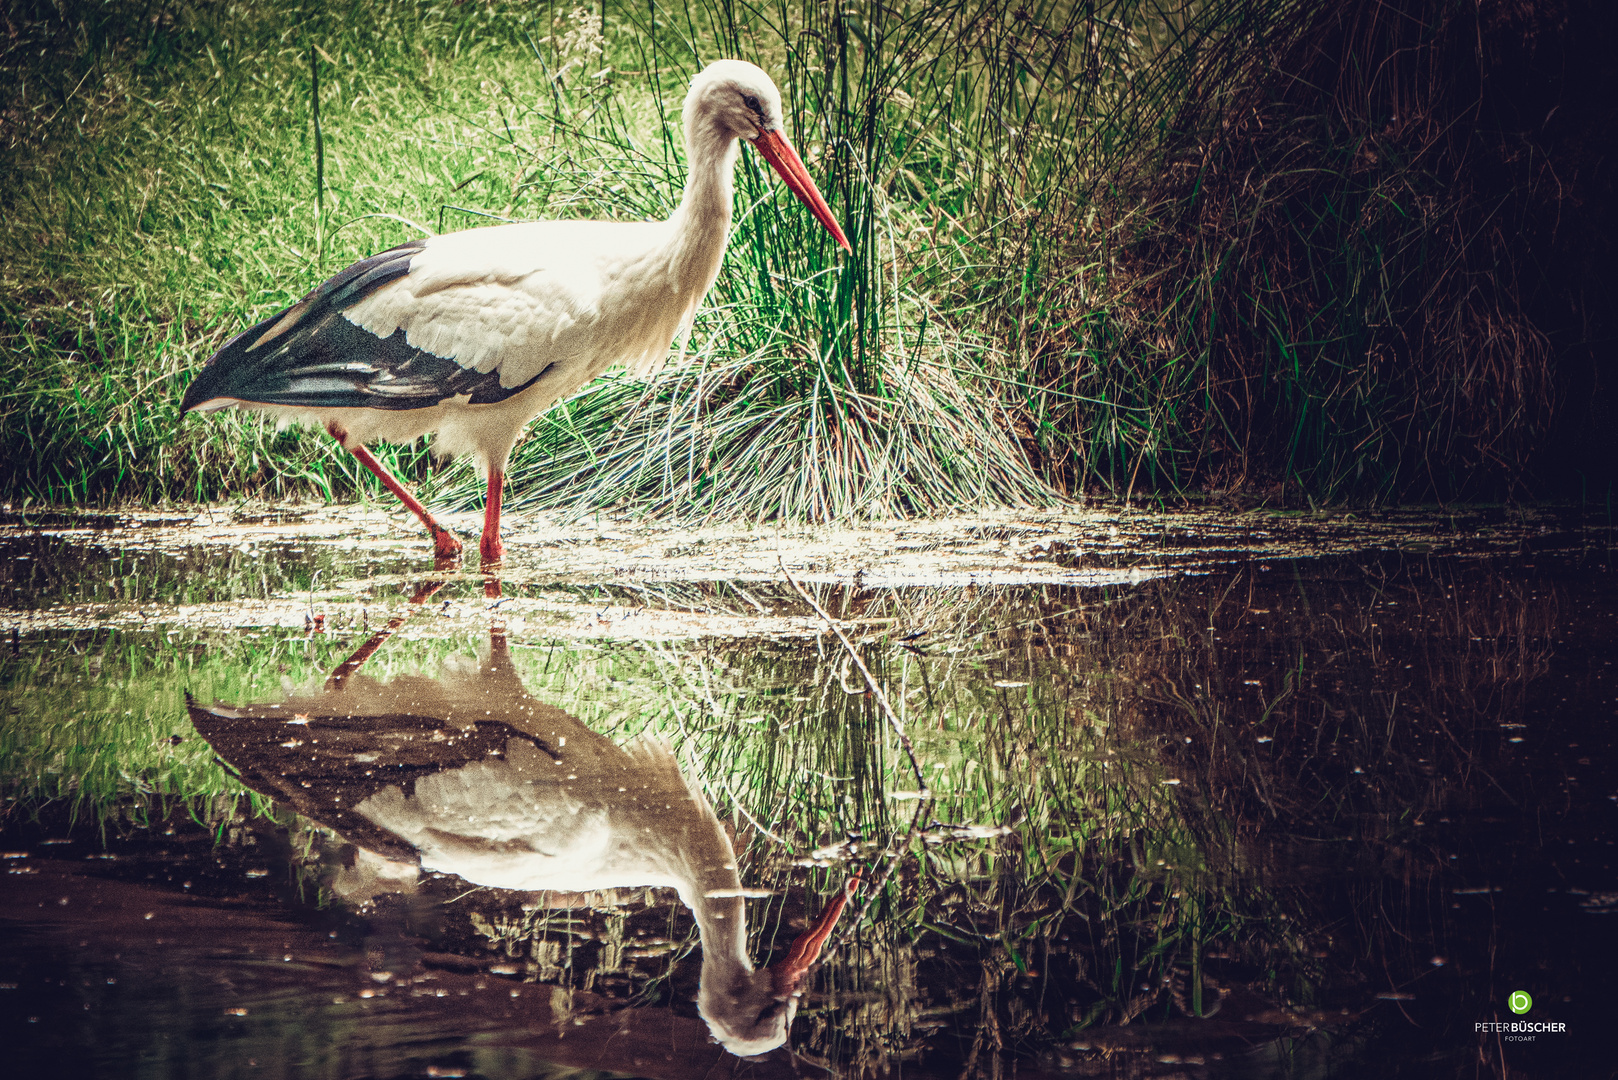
point(136, 261)
point(1140, 246)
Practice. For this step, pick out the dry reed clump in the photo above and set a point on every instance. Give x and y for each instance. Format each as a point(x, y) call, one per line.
point(1326, 274)
point(743, 437)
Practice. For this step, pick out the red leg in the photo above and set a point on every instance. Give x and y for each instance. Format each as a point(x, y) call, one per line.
point(423, 593)
point(491, 548)
point(445, 546)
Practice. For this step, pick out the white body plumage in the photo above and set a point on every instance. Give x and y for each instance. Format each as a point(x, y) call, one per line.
point(470, 335)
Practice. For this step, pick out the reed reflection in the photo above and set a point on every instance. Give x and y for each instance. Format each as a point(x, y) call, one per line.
point(464, 772)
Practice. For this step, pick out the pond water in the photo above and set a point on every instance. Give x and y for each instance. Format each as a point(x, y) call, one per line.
point(288, 803)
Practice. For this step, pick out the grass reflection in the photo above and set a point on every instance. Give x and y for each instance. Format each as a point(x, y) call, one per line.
point(1223, 810)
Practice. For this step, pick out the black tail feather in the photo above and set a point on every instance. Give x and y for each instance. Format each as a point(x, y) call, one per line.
point(311, 356)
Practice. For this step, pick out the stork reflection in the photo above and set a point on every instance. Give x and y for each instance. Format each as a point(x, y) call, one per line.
point(466, 773)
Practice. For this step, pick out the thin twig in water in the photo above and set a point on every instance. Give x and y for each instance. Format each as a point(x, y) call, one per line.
point(870, 680)
point(756, 823)
point(896, 849)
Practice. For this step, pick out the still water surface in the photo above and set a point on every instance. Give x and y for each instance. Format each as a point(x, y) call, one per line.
point(1278, 818)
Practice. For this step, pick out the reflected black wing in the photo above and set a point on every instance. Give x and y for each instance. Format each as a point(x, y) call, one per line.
point(325, 765)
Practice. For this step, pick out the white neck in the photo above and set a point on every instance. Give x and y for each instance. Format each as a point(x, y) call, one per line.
point(701, 224)
point(708, 865)
point(722, 923)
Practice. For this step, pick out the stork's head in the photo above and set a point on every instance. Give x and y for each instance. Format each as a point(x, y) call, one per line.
point(736, 96)
point(748, 1015)
point(740, 101)
point(750, 1012)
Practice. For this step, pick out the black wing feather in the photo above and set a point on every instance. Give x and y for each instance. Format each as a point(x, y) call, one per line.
point(311, 356)
point(325, 780)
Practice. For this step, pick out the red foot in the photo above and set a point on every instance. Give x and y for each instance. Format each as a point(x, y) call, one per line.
point(445, 547)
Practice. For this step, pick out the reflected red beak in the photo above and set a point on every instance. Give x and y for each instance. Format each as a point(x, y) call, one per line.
point(775, 149)
point(788, 973)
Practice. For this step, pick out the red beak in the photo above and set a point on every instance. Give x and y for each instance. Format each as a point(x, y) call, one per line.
point(788, 973)
point(775, 149)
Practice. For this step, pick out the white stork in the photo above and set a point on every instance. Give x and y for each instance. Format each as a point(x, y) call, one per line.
point(470, 335)
point(466, 773)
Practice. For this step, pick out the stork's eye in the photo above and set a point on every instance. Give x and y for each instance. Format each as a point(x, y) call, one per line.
point(752, 103)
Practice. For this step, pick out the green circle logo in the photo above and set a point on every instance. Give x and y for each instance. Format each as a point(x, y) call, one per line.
point(1519, 1002)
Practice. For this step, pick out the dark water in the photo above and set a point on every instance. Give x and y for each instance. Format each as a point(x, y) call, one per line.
point(1312, 818)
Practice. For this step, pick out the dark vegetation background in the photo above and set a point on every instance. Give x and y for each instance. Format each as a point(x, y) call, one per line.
point(1296, 251)
point(1402, 234)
